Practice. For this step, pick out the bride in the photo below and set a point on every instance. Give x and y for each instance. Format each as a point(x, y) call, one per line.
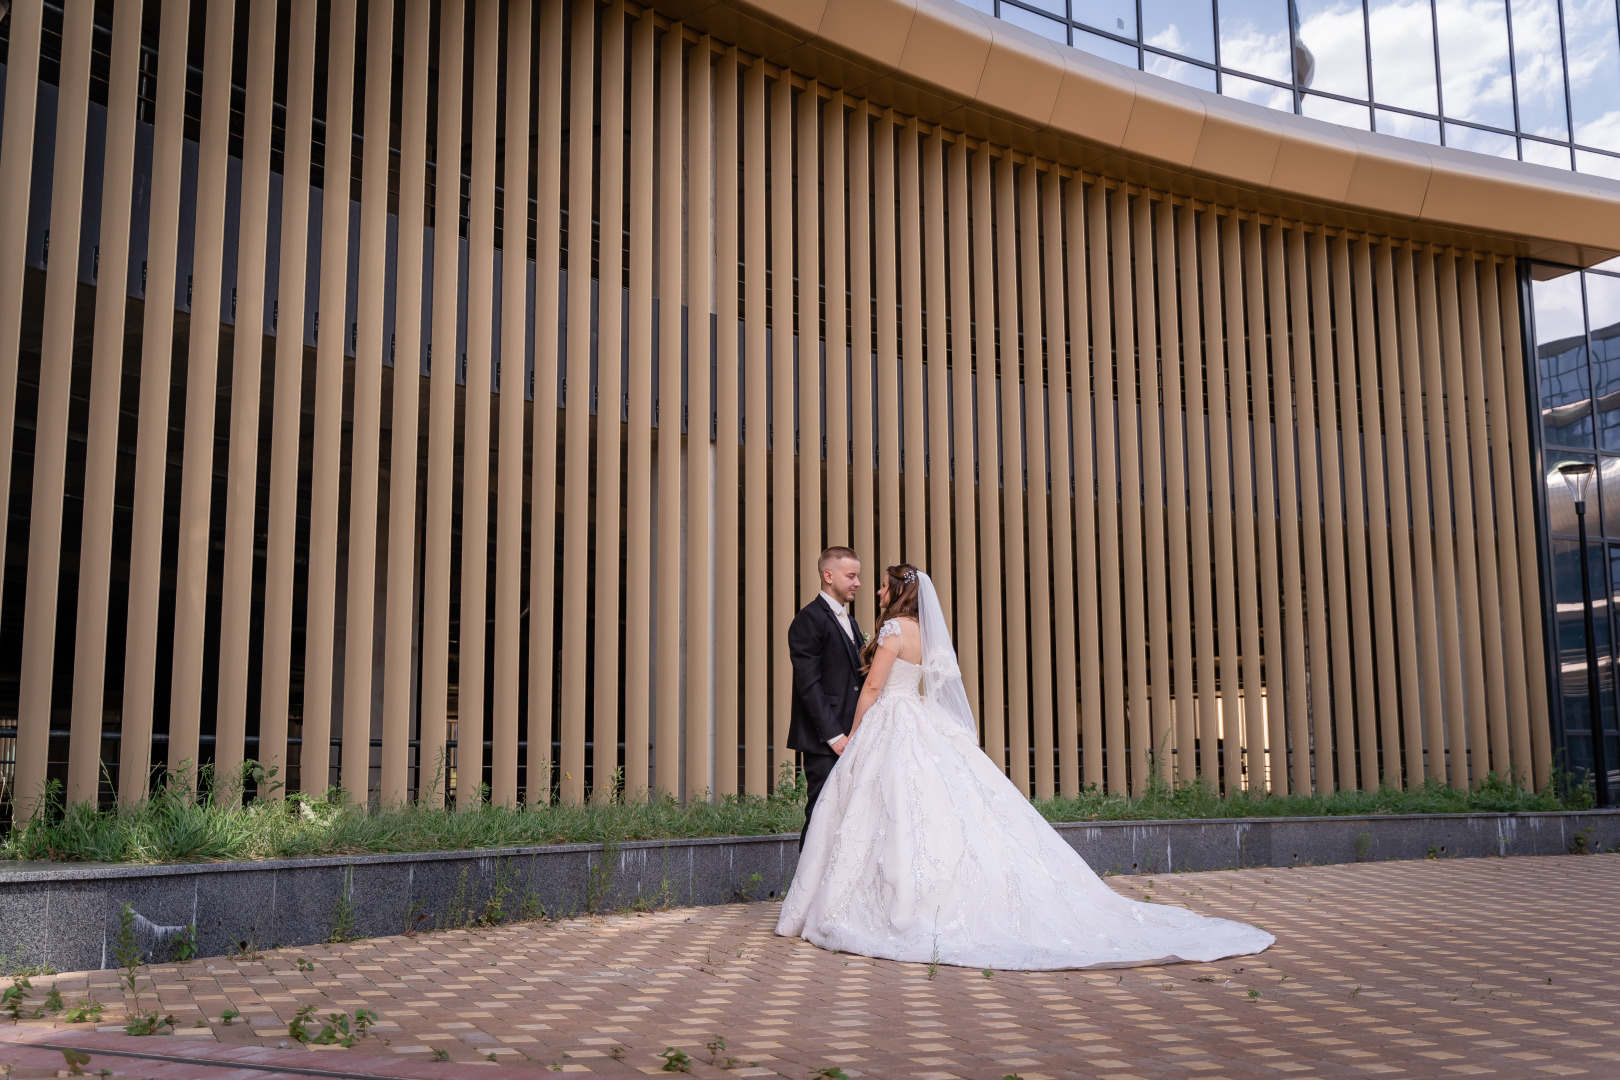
point(922, 850)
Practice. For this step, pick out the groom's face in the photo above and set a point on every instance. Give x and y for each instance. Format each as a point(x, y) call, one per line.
point(842, 579)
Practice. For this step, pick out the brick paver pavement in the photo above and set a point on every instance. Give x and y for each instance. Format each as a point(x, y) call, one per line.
point(1499, 967)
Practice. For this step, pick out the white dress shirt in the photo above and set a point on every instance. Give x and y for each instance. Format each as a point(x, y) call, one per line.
point(840, 613)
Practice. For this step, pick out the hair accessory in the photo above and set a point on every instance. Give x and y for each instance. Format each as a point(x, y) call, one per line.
point(909, 577)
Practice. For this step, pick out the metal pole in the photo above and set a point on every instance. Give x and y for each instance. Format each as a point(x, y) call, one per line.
point(1599, 768)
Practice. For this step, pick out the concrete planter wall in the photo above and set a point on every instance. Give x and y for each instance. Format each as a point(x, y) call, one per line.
point(66, 915)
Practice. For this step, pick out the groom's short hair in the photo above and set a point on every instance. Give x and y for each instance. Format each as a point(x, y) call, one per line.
point(832, 555)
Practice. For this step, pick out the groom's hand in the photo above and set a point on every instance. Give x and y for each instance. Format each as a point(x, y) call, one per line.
point(838, 744)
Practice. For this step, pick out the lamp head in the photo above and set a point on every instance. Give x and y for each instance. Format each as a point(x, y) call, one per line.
point(1578, 477)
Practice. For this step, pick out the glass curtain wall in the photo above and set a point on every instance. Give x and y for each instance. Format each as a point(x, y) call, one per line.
point(1577, 338)
point(1537, 80)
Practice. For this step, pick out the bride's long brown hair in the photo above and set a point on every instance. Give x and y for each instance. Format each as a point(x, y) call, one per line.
point(902, 583)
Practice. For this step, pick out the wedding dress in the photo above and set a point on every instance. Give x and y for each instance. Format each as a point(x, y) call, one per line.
point(921, 850)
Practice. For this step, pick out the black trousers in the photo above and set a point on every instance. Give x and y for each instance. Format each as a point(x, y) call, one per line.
point(817, 767)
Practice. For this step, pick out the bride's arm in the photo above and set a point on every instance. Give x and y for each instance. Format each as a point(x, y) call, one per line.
point(882, 661)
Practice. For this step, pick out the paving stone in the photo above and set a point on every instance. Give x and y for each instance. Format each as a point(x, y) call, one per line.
point(1442, 968)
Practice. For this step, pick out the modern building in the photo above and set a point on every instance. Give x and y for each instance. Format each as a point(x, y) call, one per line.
point(1231, 435)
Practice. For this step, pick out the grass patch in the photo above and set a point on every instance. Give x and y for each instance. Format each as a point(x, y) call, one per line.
point(209, 822)
point(1199, 799)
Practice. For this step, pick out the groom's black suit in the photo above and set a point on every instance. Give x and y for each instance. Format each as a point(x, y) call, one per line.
point(827, 681)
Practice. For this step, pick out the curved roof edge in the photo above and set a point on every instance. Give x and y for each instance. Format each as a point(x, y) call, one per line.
point(945, 62)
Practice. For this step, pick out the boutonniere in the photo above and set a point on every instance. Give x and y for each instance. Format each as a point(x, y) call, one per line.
point(866, 638)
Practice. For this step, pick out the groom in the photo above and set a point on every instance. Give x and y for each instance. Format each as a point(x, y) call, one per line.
point(825, 645)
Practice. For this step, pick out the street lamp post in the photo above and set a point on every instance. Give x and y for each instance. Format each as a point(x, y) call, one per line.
point(1578, 476)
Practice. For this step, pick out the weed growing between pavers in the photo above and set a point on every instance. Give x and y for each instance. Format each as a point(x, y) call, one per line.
point(209, 820)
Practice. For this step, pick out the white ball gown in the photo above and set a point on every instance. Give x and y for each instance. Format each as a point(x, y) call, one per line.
point(921, 850)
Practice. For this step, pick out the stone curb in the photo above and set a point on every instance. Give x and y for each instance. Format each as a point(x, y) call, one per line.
point(67, 916)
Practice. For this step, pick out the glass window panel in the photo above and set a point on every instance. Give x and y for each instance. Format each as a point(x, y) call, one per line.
point(1475, 82)
point(1539, 56)
point(1180, 70)
point(1570, 608)
point(1609, 480)
point(1114, 16)
point(1603, 305)
point(1572, 666)
point(1560, 503)
point(1403, 54)
point(1558, 306)
point(1594, 71)
point(1542, 153)
point(1334, 33)
point(1566, 403)
point(1040, 24)
point(1336, 112)
point(1597, 164)
point(1481, 142)
point(986, 6)
point(1603, 311)
point(1180, 26)
point(1254, 38)
point(1611, 716)
point(1407, 127)
point(1107, 48)
point(1604, 636)
point(1612, 264)
point(1272, 97)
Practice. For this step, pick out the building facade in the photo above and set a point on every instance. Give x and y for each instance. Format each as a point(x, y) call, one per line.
point(1225, 433)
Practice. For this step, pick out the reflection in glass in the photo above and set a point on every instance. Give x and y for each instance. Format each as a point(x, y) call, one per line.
point(1336, 112)
point(1611, 715)
point(1114, 16)
point(1603, 308)
point(1482, 142)
point(1540, 153)
point(1594, 71)
point(1558, 306)
point(1597, 164)
point(1407, 127)
point(1566, 404)
point(1403, 53)
point(1475, 81)
point(1180, 71)
point(1561, 503)
point(1040, 24)
point(1186, 27)
point(1336, 36)
point(1570, 605)
point(1609, 481)
point(1273, 97)
point(1539, 56)
point(1602, 616)
point(1254, 38)
point(1603, 305)
point(1107, 48)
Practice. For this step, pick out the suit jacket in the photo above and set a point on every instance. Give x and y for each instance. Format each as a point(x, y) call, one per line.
point(827, 677)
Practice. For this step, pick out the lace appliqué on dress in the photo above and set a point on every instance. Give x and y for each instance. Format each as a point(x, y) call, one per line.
point(888, 630)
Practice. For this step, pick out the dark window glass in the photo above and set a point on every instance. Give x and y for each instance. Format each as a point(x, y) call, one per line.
point(1571, 634)
point(1566, 406)
point(1603, 308)
point(1561, 501)
point(1609, 468)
